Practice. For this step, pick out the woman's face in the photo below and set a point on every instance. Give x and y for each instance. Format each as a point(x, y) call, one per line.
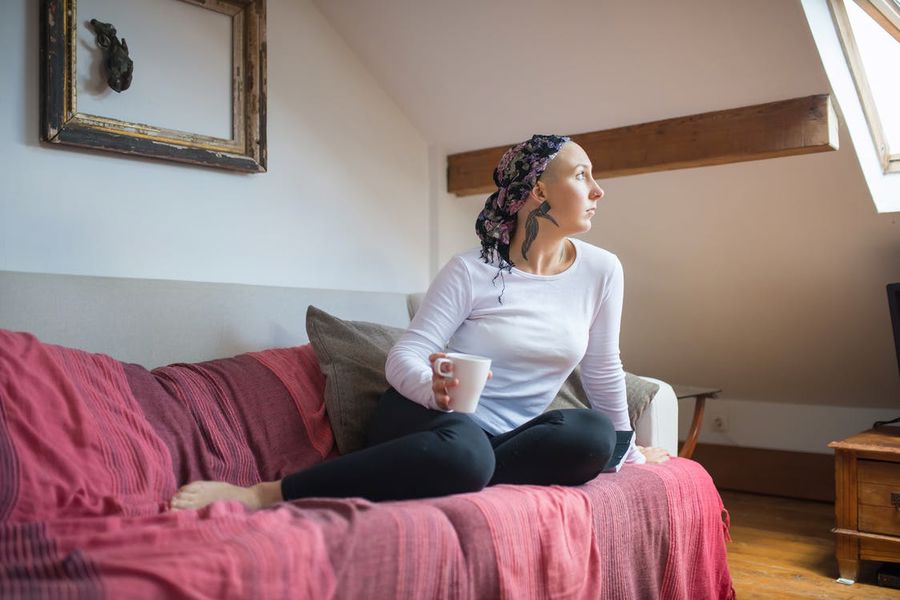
point(571, 189)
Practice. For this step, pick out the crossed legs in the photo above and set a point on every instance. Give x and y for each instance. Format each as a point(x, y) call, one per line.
point(415, 452)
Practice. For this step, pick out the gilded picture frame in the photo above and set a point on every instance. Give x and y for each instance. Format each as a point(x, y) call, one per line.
point(62, 123)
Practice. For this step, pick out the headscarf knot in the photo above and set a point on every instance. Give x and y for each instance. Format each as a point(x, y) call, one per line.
point(515, 176)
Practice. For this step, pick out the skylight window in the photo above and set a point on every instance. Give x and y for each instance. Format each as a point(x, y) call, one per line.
point(871, 44)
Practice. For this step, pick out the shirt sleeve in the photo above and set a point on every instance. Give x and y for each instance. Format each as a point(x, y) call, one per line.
point(445, 306)
point(602, 374)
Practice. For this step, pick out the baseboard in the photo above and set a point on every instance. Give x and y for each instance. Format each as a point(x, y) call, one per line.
point(804, 475)
point(782, 425)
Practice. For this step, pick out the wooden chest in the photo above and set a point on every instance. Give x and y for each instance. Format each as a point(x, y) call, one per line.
point(867, 499)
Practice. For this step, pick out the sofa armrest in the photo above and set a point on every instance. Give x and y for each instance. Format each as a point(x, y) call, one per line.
point(658, 425)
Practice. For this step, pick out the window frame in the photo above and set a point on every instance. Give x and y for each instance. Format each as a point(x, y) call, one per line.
point(885, 12)
point(890, 161)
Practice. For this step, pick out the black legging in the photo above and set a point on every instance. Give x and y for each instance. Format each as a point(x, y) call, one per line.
point(415, 452)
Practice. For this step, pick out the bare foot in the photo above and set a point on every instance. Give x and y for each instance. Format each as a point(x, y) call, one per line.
point(654, 455)
point(200, 493)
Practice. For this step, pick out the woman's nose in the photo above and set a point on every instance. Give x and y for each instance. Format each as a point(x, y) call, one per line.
point(597, 192)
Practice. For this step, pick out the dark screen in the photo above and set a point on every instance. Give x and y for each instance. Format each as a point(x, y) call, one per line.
point(893, 290)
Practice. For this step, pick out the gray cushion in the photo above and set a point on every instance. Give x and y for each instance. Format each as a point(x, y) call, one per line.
point(638, 390)
point(351, 355)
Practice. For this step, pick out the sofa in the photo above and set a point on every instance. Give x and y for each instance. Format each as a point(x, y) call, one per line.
point(92, 447)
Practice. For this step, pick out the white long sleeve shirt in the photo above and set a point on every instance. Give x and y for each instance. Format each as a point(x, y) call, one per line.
point(546, 325)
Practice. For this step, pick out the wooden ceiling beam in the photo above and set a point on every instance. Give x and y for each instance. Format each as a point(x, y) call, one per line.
point(784, 128)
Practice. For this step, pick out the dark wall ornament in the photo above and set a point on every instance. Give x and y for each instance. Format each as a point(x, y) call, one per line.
point(61, 123)
point(119, 66)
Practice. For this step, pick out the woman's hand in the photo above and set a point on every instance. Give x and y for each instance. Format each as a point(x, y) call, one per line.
point(440, 385)
point(654, 455)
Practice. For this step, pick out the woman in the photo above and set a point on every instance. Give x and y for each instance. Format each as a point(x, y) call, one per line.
point(533, 300)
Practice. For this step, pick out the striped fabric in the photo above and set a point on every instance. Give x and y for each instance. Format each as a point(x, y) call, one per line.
point(91, 449)
point(306, 392)
point(75, 436)
point(245, 419)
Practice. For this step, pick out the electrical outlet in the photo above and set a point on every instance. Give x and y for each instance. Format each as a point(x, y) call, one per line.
point(720, 424)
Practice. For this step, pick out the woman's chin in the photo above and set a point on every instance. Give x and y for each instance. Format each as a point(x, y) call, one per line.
point(575, 227)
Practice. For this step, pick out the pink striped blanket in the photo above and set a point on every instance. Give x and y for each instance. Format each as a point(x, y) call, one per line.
point(91, 449)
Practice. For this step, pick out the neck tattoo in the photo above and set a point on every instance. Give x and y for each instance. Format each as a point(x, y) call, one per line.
point(531, 226)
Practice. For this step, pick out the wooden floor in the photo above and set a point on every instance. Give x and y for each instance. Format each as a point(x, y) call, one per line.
point(784, 549)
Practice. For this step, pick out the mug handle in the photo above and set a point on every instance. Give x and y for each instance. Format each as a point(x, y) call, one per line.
point(442, 361)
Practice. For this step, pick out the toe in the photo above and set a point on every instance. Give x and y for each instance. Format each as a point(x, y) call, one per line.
point(182, 502)
point(194, 486)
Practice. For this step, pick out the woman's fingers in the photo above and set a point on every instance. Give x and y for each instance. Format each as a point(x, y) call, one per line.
point(442, 384)
point(440, 387)
point(445, 385)
point(443, 401)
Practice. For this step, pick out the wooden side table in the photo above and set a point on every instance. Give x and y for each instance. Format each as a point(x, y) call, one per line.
point(867, 499)
point(701, 394)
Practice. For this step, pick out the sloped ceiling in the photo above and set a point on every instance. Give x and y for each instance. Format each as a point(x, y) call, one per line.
point(472, 74)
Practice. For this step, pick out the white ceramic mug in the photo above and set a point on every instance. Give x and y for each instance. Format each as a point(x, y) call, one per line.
point(471, 371)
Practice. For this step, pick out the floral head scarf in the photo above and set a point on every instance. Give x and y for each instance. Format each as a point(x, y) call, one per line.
point(515, 176)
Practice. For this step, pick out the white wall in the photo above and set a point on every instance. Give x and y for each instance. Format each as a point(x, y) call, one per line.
point(343, 206)
point(186, 83)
